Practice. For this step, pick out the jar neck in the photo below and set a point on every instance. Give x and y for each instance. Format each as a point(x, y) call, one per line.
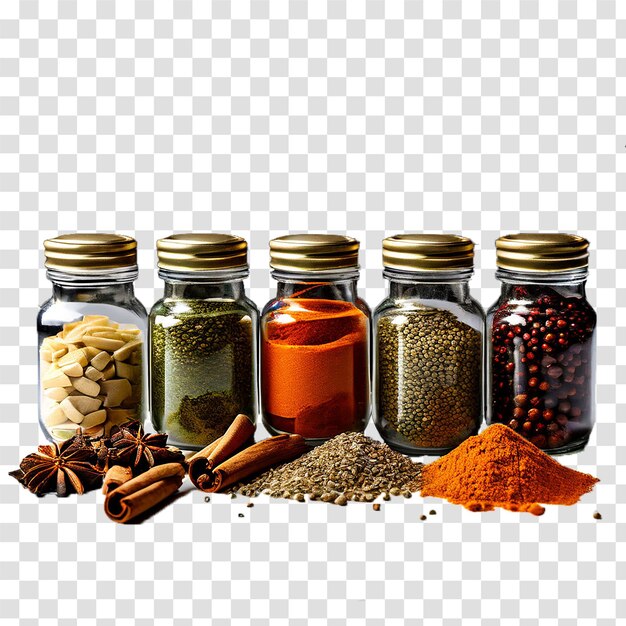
point(216, 285)
point(573, 283)
point(113, 286)
point(449, 286)
point(320, 285)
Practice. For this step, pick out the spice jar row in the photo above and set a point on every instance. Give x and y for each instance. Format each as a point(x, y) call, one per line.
point(423, 350)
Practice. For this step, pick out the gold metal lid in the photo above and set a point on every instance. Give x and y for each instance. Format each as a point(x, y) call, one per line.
point(90, 252)
point(200, 252)
point(314, 253)
point(542, 252)
point(424, 252)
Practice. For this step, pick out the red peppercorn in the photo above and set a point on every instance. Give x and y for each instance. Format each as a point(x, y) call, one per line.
point(548, 357)
point(520, 399)
point(533, 414)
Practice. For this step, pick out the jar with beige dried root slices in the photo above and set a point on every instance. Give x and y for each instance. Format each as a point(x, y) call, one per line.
point(91, 337)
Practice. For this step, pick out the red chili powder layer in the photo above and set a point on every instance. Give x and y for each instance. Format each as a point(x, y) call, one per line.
point(499, 468)
point(315, 377)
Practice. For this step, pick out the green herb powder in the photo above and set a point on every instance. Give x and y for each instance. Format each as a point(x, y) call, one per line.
point(202, 369)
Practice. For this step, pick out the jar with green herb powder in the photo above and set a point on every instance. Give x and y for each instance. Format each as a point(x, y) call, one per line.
point(428, 345)
point(203, 339)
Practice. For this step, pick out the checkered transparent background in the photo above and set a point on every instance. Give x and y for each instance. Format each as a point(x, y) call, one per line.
point(264, 118)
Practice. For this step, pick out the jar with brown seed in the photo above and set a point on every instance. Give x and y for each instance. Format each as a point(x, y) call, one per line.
point(428, 345)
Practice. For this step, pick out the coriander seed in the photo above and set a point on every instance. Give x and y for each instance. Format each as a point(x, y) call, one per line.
point(428, 345)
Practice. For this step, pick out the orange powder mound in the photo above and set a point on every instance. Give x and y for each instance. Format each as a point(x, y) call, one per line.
point(499, 468)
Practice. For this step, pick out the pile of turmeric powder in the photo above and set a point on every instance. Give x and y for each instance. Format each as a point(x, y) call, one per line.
point(499, 468)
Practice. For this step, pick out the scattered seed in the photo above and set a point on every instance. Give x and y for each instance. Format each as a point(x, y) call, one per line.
point(207, 498)
point(422, 517)
point(597, 515)
point(250, 505)
point(433, 512)
point(240, 515)
point(376, 506)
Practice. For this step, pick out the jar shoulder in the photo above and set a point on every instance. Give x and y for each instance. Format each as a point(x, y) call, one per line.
point(397, 306)
point(506, 306)
point(191, 306)
point(54, 312)
point(314, 305)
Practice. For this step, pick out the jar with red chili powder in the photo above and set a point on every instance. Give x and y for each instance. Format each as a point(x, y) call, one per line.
point(541, 341)
point(315, 362)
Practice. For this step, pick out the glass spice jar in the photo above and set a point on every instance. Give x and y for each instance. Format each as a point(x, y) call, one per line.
point(315, 365)
point(541, 338)
point(203, 339)
point(92, 369)
point(428, 345)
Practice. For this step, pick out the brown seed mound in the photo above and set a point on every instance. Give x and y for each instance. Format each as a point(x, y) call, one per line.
point(499, 468)
point(350, 466)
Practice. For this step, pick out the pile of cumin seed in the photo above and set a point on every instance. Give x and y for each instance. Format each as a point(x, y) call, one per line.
point(350, 466)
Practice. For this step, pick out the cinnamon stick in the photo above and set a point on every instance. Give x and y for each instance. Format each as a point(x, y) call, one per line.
point(140, 494)
point(205, 452)
point(253, 460)
point(237, 435)
point(116, 476)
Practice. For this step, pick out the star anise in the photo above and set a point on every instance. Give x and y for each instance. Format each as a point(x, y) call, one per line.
point(131, 447)
point(72, 467)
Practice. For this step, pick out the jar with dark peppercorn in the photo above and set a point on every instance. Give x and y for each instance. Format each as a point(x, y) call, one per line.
point(203, 339)
point(541, 341)
point(428, 345)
